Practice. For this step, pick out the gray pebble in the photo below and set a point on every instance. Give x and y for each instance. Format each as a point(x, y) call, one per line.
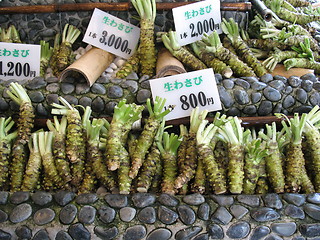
point(168, 200)
point(186, 214)
point(266, 78)
point(82, 88)
point(265, 108)
point(223, 200)
point(284, 229)
point(98, 88)
point(52, 98)
point(107, 233)
point(67, 88)
point(127, 214)
point(314, 98)
point(53, 87)
point(41, 110)
point(3, 216)
point(145, 84)
point(257, 86)
point(136, 232)
point(63, 197)
point(4, 106)
point(288, 101)
point(20, 213)
point(238, 211)
point(250, 200)
point(302, 109)
point(116, 80)
point(187, 233)
point(19, 197)
point(307, 85)
point(87, 214)
point(43, 216)
point(5, 235)
point(86, 198)
point(143, 78)
point(194, 199)
point(250, 110)
point(143, 95)
point(63, 235)
point(301, 95)
point(310, 230)
point(42, 234)
point(204, 211)
point(316, 85)
point(4, 196)
point(233, 112)
point(147, 215)
point(36, 96)
point(106, 214)
point(36, 83)
point(23, 232)
point(312, 211)
point(160, 233)
point(97, 104)
point(256, 97)
point(294, 212)
point(294, 198)
point(238, 230)
point(277, 84)
point(309, 76)
point(218, 77)
point(215, 231)
point(132, 76)
point(294, 81)
point(282, 78)
point(85, 101)
point(114, 91)
point(221, 216)
point(314, 198)
point(131, 85)
point(272, 94)
point(272, 200)
point(79, 232)
point(71, 99)
point(287, 90)
point(260, 232)
point(225, 97)
point(110, 107)
point(166, 215)
point(264, 214)
point(68, 214)
point(242, 83)
point(228, 84)
point(116, 200)
point(103, 80)
point(141, 200)
point(241, 96)
point(41, 198)
point(203, 236)
point(273, 237)
point(52, 80)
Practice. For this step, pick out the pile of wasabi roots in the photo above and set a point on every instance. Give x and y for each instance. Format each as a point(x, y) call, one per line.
point(216, 155)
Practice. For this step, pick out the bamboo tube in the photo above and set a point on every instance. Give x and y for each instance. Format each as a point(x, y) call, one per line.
point(168, 65)
point(90, 65)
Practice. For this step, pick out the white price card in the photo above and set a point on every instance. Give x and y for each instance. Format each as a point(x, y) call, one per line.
point(112, 34)
point(19, 61)
point(187, 91)
point(193, 20)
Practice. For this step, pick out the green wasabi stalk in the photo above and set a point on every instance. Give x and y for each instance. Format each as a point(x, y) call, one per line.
point(302, 63)
point(287, 15)
point(6, 140)
point(168, 145)
point(5, 35)
point(254, 153)
point(215, 46)
point(182, 54)
point(59, 147)
point(45, 55)
point(25, 125)
point(148, 169)
point(188, 167)
point(296, 174)
point(232, 133)
point(131, 65)
point(199, 183)
point(75, 141)
point(273, 159)
point(181, 155)
point(213, 172)
point(55, 51)
point(45, 148)
point(312, 139)
point(15, 36)
point(211, 60)
point(299, 3)
point(34, 165)
point(147, 50)
point(123, 117)
point(146, 138)
point(276, 57)
point(232, 31)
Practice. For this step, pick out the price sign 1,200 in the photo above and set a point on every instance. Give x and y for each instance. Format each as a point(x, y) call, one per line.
point(16, 69)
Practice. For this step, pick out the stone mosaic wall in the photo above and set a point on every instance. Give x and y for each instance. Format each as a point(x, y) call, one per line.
point(64, 215)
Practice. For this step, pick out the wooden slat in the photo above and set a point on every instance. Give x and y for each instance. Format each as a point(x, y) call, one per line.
point(124, 6)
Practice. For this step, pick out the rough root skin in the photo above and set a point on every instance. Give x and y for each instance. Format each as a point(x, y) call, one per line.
point(235, 168)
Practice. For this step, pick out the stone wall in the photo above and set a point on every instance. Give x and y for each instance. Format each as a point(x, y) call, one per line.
point(64, 215)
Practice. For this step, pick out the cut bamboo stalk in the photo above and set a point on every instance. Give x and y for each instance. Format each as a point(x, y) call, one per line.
point(90, 65)
point(168, 65)
point(124, 6)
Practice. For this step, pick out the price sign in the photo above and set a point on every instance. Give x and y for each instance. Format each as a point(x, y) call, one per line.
point(112, 34)
point(193, 20)
point(187, 91)
point(19, 61)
